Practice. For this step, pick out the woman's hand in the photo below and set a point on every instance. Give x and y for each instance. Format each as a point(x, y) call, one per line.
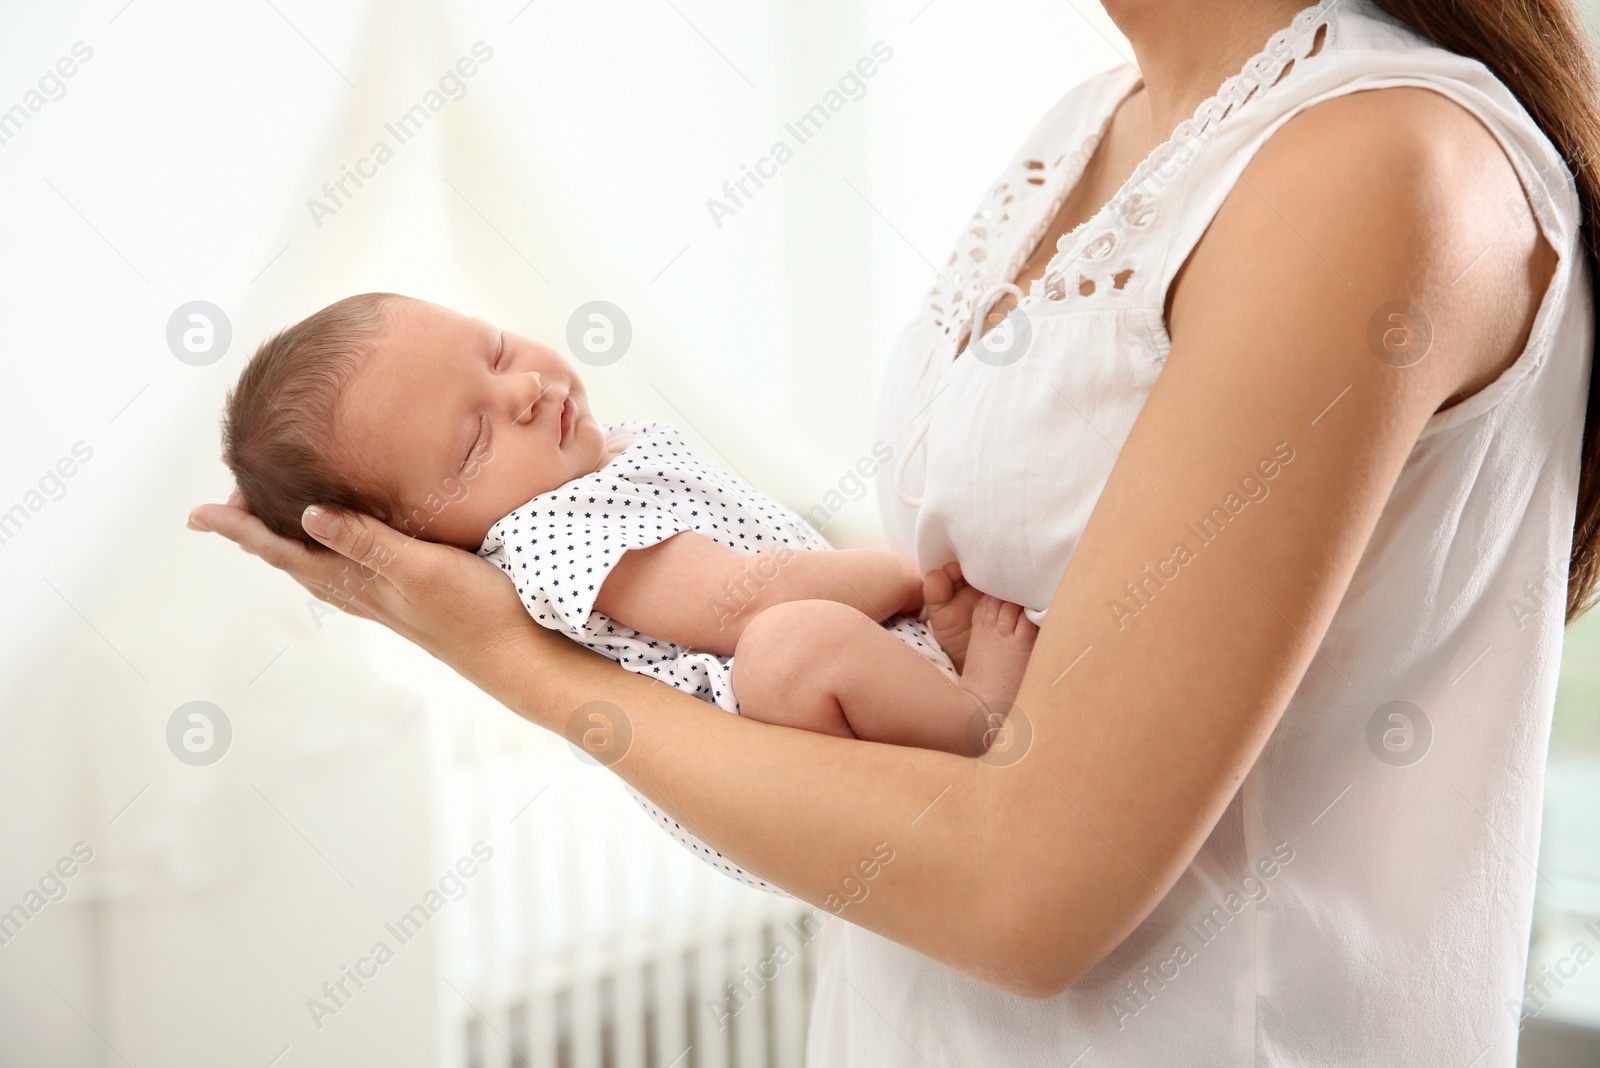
point(453, 603)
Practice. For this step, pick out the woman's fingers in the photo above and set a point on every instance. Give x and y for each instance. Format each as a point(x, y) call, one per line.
point(358, 538)
point(252, 535)
point(443, 598)
point(449, 601)
point(327, 576)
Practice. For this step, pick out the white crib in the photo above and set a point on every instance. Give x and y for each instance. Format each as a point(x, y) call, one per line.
point(591, 939)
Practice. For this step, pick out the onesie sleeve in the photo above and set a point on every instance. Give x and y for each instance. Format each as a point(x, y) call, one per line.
point(560, 546)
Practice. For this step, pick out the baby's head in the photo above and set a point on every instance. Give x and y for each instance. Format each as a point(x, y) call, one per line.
point(435, 423)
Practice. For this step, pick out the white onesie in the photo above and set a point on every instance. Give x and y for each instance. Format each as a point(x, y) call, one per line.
point(559, 547)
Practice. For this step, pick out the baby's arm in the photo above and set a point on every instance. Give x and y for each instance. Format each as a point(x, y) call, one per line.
point(692, 591)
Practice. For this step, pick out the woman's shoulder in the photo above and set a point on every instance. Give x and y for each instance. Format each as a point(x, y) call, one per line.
point(1382, 193)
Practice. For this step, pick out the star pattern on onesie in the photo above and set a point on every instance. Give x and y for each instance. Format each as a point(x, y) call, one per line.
point(560, 546)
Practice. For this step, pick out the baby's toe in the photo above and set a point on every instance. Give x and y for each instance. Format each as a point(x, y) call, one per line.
point(937, 588)
point(986, 613)
point(1006, 617)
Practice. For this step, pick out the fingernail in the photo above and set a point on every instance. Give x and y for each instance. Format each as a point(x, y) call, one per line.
point(195, 524)
point(320, 522)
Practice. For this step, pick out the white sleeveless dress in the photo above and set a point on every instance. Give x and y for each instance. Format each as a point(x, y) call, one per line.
point(1366, 898)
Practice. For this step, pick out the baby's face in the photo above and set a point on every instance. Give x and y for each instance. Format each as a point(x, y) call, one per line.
point(464, 422)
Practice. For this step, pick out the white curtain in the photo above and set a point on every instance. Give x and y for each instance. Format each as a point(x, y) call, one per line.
point(177, 163)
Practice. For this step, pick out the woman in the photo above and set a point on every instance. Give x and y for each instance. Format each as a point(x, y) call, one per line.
point(1283, 445)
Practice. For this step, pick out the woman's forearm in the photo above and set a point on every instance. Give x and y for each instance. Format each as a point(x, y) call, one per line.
point(807, 811)
point(813, 814)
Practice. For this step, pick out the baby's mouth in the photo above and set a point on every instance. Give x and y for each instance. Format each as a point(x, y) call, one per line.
point(569, 412)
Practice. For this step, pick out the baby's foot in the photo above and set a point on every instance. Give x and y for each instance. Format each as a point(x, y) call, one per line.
point(1001, 640)
point(950, 603)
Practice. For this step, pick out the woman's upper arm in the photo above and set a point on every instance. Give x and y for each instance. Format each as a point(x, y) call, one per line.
point(1280, 416)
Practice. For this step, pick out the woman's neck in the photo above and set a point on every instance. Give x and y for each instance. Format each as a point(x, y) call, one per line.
point(1185, 49)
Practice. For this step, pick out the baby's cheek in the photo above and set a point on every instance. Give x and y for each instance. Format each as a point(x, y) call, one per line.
point(475, 514)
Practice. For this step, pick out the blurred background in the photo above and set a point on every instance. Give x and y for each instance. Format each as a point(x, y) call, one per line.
point(217, 798)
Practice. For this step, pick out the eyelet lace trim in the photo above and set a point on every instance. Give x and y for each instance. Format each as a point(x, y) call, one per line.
point(1134, 203)
point(978, 264)
point(1096, 271)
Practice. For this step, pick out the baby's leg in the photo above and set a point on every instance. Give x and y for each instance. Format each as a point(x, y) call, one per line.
point(823, 666)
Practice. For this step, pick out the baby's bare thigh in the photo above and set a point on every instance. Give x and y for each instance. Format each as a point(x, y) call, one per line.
point(825, 667)
point(796, 661)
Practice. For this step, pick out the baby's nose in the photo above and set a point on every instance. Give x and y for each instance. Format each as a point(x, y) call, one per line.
point(530, 387)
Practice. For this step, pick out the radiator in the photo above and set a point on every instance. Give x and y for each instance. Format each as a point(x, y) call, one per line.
point(591, 939)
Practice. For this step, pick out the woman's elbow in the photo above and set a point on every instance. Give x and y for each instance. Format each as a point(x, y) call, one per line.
point(1042, 940)
point(1034, 971)
point(1032, 956)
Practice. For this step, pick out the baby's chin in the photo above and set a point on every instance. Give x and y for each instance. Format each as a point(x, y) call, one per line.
point(594, 440)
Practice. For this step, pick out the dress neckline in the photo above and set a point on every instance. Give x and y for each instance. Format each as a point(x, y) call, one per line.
point(1260, 72)
point(1066, 179)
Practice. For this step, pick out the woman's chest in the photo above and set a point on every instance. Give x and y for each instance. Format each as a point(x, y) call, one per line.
point(1111, 157)
point(1016, 451)
point(1005, 441)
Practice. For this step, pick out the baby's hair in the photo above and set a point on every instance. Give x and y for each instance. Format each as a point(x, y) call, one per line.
point(276, 420)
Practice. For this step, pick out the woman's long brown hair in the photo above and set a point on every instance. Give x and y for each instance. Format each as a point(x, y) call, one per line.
point(1540, 50)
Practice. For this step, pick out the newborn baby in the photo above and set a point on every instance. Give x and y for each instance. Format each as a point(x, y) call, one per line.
point(622, 537)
